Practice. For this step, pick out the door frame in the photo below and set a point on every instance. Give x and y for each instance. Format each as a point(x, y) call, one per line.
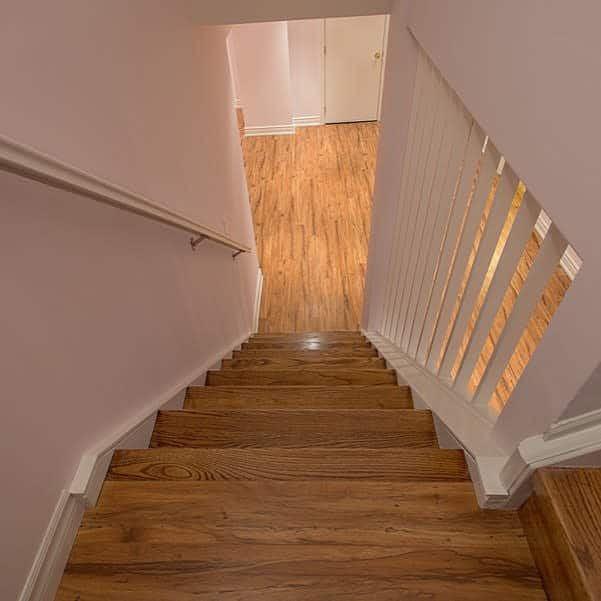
point(323, 67)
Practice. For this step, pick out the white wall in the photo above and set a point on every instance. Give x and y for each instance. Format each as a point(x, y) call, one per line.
point(102, 311)
point(263, 65)
point(306, 42)
point(244, 11)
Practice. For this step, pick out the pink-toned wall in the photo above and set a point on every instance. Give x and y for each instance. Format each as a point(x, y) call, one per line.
point(262, 59)
point(306, 41)
point(102, 311)
point(243, 11)
point(525, 71)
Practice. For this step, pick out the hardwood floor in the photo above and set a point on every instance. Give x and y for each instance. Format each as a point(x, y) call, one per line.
point(311, 197)
point(296, 492)
point(562, 520)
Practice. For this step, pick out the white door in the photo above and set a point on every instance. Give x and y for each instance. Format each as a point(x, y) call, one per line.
point(354, 55)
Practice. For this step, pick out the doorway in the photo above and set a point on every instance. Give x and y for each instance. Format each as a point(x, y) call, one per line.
point(353, 73)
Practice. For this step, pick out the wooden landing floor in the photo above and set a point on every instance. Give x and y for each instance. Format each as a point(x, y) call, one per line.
point(311, 197)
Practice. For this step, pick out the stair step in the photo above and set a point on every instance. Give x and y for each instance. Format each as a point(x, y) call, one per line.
point(289, 464)
point(380, 428)
point(346, 347)
point(562, 521)
point(287, 541)
point(295, 354)
point(310, 376)
point(284, 362)
point(299, 397)
point(310, 336)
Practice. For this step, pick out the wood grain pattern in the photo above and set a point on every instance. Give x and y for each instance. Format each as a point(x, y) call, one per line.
point(407, 465)
point(286, 362)
point(295, 354)
point(311, 198)
point(298, 397)
point(346, 347)
point(296, 493)
point(563, 522)
point(294, 428)
point(309, 376)
point(329, 336)
point(380, 541)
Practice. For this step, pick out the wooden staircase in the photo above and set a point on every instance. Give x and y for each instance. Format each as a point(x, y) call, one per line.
point(300, 472)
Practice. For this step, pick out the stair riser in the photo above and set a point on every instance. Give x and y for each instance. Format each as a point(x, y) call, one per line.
point(407, 465)
point(299, 397)
point(311, 377)
point(287, 363)
point(294, 429)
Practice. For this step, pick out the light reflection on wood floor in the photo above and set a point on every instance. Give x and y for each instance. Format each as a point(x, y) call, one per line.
point(311, 197)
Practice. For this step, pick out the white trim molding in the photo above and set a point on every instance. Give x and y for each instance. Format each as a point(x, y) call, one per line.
point(33, 164)
point(307, 121)
point(50, 561)
point(501, 480)
point(270, 130)
point(565, 442)
point(570, 261)
point(258, 297)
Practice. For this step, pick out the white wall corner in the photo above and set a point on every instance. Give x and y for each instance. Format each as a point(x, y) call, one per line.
point(50, 561)
point(258, 297)
point(307, 121)
point(270, 130)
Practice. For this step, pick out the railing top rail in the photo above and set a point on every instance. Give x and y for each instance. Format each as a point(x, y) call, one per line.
point(33, 164)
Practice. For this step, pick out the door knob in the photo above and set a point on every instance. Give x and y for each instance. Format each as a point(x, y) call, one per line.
point(378, 56)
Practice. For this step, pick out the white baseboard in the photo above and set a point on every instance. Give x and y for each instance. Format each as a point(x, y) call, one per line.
point(570, 261)
point(501, 481)
point(53, 552)
point(258, 297)
point(307, 121)
point(270, 130)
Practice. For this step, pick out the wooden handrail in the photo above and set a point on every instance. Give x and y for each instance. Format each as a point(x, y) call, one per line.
point(33, 164)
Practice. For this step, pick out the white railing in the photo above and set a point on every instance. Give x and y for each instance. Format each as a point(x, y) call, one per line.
point(463, 222)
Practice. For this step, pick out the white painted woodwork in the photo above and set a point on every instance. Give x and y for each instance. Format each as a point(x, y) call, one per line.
point(354, 48)
point(456, 197)
point(518, 237)
point(458, 214)
point(399, 223)
point(547, 260)
point(488, 167)
point(492, 230)
point(417, 161)
point(442, 196)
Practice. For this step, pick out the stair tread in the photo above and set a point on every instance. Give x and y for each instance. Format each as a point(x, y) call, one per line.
point(289, 541)
point(305, 354)
point(333, 335)
point(283, 362)
point(307, 345)
point(308, 375)
point(379, 428)
point(562, 520)
point(289, 464)
point(384, 396)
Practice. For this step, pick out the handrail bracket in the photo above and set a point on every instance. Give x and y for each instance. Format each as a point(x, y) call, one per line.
point(194, 242)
